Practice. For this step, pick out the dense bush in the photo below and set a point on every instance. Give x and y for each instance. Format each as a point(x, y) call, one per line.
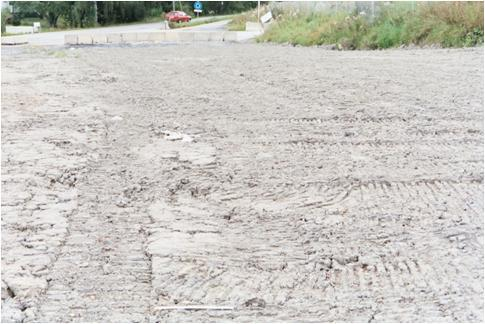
point(229, 7)
point(448, 24)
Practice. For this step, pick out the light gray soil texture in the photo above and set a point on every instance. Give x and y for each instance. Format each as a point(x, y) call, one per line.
point(249, 182)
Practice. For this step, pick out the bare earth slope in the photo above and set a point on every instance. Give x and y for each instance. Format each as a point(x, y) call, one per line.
point(264, 183)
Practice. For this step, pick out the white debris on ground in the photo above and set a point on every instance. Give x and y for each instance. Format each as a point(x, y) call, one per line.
point(175, 136)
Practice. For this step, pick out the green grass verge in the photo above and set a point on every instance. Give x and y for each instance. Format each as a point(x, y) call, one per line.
point(238, 23)
point(197, 22)
point(448, 24)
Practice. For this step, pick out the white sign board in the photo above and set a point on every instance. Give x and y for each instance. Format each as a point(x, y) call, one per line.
point(36, 27)
point(267, 17)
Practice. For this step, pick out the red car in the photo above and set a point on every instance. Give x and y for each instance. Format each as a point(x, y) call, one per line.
point(177, 16)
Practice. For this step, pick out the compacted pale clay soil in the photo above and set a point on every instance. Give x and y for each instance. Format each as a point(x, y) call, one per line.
point(241, 182)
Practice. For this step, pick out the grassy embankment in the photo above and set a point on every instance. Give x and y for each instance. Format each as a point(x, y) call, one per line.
point(197, 22)
point(448, 24)
point(238, 22)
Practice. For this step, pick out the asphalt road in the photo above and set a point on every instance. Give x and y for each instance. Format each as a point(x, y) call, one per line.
point(216, 26)
point(57, 38)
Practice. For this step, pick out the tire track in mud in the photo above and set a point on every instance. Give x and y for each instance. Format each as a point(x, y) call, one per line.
point(323, 144)
point(45, 158)
point(276, 219)
point(102, 271)
point(348, 119)
point(389, 277)
point(430, 191)
point(401, 276)
point(280, 233)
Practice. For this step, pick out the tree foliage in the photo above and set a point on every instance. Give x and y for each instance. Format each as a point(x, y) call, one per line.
point(228, 7)
point(90, 13)
point(52, 10)
point(120, 11)
point(81, 14)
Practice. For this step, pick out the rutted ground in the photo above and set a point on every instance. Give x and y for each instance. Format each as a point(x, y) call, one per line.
point(260, 182)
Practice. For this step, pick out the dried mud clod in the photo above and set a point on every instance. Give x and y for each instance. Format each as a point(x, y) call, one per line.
point(255, 303)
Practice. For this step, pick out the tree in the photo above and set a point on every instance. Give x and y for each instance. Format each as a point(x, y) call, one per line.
point(50, 10)
point(121, 11)
point(106, 12)
point(89, 13)
point(80, 14)
point(26, 8)
point(5, 13)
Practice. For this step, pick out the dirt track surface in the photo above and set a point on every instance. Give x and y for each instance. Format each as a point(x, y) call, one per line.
point(265, 183)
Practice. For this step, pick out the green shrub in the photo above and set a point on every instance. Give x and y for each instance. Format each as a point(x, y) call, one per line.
point(475, 37)
point(16, 20)
point(384, 36)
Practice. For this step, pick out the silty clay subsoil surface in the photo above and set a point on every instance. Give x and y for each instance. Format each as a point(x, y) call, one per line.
point(241, 183)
